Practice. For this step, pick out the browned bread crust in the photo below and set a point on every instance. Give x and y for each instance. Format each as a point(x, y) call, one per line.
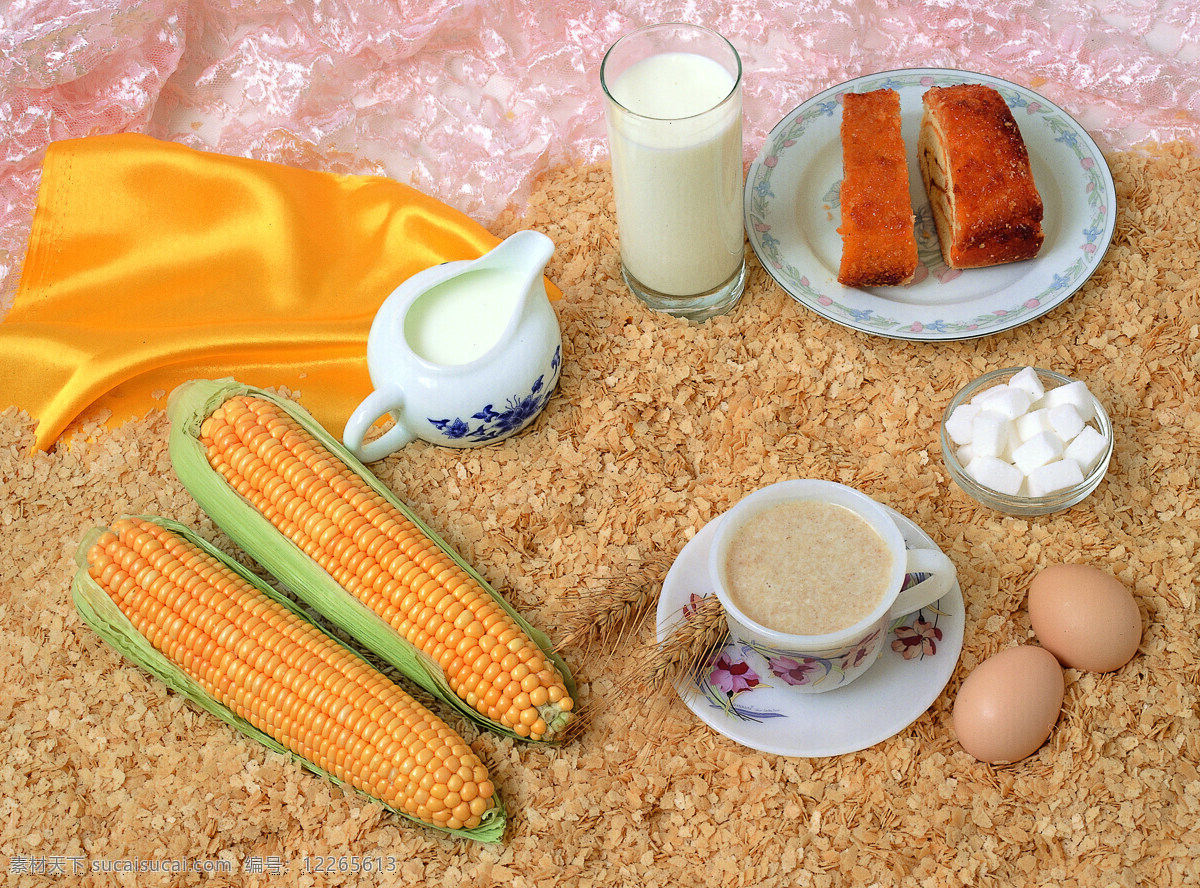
point(975, 169)
point(879, 247)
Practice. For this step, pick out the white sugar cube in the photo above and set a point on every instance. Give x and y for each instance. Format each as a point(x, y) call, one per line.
point(1029, 382)
point(1008, 401)
point(1065, 421)
point(1053, 477)
point(1086, 449)
point(989, 433)
point(1031, 423)
point(1042, 448)
point(1075, 393)
point(993, 472)
point(958, 423)
point(981, 398)
point(965, 454)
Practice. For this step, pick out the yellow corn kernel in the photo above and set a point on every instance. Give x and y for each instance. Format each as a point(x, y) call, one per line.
point(283, 675)
point(383, 559)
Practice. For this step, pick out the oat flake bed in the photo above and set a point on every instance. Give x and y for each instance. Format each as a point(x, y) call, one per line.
point(658, 427)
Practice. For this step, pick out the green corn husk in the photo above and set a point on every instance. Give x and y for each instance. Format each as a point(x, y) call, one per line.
point(189, 405)
point(107, 620)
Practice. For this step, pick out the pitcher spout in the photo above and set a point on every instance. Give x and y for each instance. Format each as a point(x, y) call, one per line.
point(525, 253)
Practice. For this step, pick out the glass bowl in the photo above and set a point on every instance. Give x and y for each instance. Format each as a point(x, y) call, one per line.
point(1017, 504)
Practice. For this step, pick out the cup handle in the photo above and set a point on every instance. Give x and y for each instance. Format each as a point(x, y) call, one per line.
point(941, 577)
point(379, 403)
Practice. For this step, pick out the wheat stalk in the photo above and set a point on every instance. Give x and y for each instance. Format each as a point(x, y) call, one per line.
point(608, 615)
point(689, 644)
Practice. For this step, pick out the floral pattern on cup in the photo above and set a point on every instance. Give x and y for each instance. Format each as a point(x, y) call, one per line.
point(732, 674)
point(492, 424)
point(831, 670)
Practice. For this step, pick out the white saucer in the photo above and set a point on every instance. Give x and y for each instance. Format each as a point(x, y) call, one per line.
point(778, 719)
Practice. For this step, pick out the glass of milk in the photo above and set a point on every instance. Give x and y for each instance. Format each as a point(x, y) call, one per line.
point(673, 105)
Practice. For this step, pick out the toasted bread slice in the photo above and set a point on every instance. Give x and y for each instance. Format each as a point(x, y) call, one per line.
point(879, 247)
point(975, 169)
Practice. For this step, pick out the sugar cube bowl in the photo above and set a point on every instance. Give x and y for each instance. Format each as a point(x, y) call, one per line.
point(1026, 441)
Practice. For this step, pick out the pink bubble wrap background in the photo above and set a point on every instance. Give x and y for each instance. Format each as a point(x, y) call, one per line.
point(470, 100)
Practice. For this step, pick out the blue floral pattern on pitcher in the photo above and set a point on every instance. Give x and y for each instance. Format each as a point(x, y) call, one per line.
point(490, 424)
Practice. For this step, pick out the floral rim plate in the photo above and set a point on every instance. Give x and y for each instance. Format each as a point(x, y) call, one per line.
point(741, 699)
point(792, 215)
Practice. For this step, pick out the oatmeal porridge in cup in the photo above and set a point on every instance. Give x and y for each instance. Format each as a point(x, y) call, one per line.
point(815, 569)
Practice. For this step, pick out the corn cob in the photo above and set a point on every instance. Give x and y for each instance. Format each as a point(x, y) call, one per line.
point(211, 630)
point(302, 506)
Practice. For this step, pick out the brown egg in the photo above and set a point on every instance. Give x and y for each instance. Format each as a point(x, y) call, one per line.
point(1009, 703)
point(1085, 617)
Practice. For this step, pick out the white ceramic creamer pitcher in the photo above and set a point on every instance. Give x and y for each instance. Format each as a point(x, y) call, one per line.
point(461, 354)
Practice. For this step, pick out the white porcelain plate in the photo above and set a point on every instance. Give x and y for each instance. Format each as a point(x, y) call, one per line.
point(738, 697)
point(792, 214)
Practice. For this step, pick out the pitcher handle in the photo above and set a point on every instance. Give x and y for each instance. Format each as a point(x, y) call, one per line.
point(941, 577)
point(379, 403)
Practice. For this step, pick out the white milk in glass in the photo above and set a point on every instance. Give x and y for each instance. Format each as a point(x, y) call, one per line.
point(460, 319)
point(677, 172)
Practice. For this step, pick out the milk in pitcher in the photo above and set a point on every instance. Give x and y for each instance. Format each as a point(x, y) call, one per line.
point(462, 318)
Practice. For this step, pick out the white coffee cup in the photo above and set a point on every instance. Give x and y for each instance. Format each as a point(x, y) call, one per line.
point(825, 661)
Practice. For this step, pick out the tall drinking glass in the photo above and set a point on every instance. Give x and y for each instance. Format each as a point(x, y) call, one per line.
point(673, 106)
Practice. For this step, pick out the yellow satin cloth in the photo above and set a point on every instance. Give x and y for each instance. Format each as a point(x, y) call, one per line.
point(151, 263)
